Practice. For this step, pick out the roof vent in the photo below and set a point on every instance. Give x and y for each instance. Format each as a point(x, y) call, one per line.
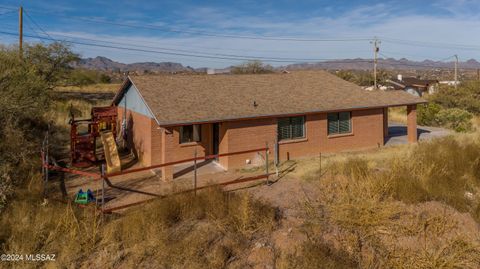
point(255, 104)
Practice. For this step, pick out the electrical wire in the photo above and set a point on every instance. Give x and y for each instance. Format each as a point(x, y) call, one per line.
point(429, 44)
point(41, 29)
point(7, 12)
point(190, 51)
point(204, 33)
point(175, 53)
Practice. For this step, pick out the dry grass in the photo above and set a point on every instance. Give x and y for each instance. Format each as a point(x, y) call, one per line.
point(397, 209)
point(94, 88)
point(80, 108)
point(209, 230)
point(397, 114)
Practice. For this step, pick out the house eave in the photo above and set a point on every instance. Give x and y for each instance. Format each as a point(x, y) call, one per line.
point(263, 116)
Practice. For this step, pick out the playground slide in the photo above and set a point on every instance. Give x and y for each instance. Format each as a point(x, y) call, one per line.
point(111, 152)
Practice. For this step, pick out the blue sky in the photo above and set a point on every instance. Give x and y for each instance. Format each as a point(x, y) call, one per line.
point(415, 30)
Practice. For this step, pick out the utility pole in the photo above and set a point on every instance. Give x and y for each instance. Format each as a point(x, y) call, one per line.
point(456, 70)
point(376, 49)
point(20, 31)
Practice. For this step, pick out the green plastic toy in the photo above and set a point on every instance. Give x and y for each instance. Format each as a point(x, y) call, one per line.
point(84, 198)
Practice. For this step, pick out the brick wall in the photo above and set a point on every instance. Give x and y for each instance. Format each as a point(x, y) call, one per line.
point(139, 138)
point(367, 132)
point(187, 150)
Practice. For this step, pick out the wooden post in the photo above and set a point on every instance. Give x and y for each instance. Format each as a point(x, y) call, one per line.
point(20, 31)
point(412, 123)
point(46, 168)
point(266, 160)
point(195, 172)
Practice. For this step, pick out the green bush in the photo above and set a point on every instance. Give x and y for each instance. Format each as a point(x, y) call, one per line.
point(363, 78)
point(252, 67)
point(456, 119)
point(466, 96)
point(453, 118)
point(84, 77)
point(426, 115)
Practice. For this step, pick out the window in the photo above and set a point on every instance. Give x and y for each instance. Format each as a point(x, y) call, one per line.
point(190, 133)
point(339, 123)
point(291, 128)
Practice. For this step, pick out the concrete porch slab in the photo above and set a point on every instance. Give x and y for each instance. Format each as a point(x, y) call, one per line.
point(185, 170)
point(397, 133)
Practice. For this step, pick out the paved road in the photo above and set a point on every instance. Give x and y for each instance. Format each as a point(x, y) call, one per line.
point(398, 133)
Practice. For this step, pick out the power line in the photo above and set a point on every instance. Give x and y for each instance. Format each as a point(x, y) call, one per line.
point(260, 37)
point(178, 54)
point(190, 51)
point(7, 12)
point(430, 44)
point(205, 33)
point(41, 29)
point(10, 8)
point(189, 46)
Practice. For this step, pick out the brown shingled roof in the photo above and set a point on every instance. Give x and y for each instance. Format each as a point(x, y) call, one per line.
point(182, 99)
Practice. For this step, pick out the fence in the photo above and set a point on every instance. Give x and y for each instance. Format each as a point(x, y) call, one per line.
point(105, 177)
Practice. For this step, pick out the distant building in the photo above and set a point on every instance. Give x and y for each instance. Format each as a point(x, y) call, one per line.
point(213, 71)
point(379, 87)
point(450, 82)
point(414, 86)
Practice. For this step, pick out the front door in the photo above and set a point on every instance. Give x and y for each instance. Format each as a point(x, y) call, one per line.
point(215, 139)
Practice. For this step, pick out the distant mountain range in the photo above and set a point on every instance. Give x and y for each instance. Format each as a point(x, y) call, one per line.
point(389, 63)
point(106, 64)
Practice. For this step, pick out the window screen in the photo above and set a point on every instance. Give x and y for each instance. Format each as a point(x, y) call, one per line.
point(190, 133)
point(339, 123)
point(291, 128)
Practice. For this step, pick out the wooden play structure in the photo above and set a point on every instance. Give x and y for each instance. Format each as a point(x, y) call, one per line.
point(84, 134)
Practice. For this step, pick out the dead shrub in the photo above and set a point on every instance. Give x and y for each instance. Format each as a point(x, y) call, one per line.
point(441, 170)
point(206, 230)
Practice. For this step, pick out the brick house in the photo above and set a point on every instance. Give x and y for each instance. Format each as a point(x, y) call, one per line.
point(167, 117)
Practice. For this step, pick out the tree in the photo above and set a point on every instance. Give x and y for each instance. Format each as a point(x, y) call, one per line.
point(252, 67)
point(53, 63)
point(25, 86)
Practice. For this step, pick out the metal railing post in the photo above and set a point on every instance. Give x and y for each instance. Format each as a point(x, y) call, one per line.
point(266, 160)
point(275, 157)
point(103, 187)
point(195, 172)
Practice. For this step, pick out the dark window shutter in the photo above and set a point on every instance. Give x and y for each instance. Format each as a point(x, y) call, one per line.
point(283, 128)
point(344, 122)
point(186, 133)
point(332, 119)
point(297, 125)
